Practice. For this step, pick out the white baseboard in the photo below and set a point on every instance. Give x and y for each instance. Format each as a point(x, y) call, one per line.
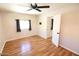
point(69, 49)
point(16, 38)
point(2, 48)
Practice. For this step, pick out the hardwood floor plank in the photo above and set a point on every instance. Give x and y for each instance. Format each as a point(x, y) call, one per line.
point(33, 46)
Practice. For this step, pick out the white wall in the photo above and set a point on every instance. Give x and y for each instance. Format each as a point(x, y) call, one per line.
point(9, 22)
point(42, 31)
point(49, 31)
point(70, 31)
point(2, 37)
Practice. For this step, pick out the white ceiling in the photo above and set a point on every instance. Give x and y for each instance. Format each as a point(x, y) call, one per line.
point(22, 8)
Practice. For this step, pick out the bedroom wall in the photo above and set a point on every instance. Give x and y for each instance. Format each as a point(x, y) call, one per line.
point(9, 23)
point(49, 31)
point(42, 31)
point(70, 31)
point(2, 37)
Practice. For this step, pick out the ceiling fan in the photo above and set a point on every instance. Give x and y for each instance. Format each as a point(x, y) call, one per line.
point(36, 7)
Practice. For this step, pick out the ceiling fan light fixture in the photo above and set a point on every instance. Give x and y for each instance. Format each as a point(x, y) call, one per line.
point(36, 7)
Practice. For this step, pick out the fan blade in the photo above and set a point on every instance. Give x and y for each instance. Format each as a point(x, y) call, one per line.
point(31, 5)
point(29, 9)
point(38, 9)
point(35, 5)
point(43, 6)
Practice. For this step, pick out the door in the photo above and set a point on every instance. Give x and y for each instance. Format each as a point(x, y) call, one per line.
point(56, 29)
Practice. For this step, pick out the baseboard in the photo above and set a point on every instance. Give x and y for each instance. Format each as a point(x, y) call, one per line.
point(70, 50)
point(23, 37)
point(42, 37)
point(49, 37)
point(19, 38)
point(2, 48)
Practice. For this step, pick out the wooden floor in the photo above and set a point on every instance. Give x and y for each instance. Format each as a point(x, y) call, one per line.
point(33, 46)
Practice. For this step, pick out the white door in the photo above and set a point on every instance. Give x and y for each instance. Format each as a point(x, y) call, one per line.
point(56, 29)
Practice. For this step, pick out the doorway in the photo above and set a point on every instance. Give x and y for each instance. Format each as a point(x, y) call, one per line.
point(53, 28)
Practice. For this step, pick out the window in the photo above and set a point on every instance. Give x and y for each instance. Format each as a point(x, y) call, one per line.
point(24, 24)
